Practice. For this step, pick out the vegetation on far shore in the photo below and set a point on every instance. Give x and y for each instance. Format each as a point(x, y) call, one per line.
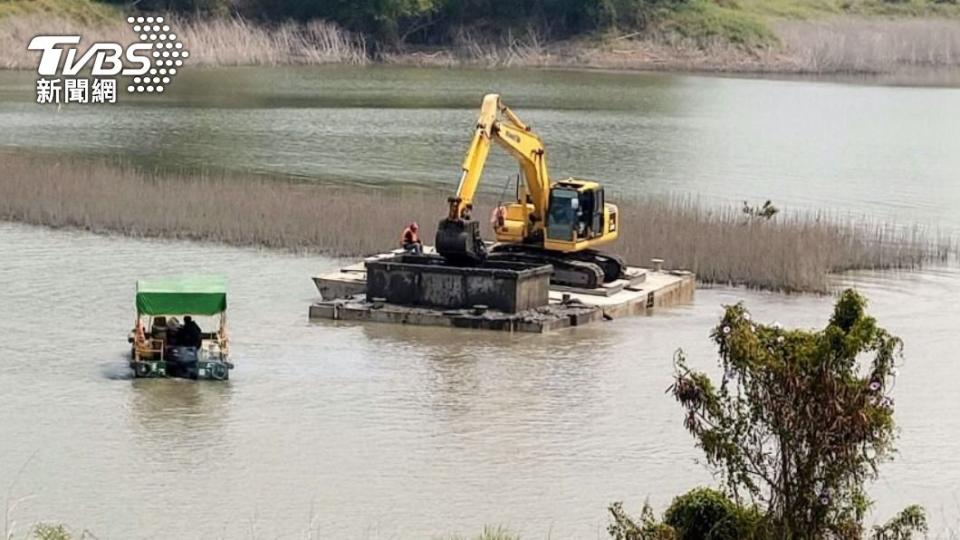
point(790, 36)
point(785, 252)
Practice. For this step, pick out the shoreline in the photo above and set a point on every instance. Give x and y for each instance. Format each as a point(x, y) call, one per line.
point(932, 77)
point(947, 77)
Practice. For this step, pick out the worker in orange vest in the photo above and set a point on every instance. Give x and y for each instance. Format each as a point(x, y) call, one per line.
point(410, 240)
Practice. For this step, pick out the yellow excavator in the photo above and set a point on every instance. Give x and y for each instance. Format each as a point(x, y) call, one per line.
point(558, 223)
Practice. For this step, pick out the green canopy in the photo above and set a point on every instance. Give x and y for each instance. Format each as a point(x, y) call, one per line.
point(194, 295)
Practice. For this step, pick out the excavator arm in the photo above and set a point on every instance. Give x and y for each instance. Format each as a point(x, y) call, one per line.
point(476, 158)
point(458, 236)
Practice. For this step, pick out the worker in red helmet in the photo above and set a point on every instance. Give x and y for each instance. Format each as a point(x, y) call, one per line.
point(410, 240)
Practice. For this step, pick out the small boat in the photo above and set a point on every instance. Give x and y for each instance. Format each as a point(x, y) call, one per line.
point(166, 341)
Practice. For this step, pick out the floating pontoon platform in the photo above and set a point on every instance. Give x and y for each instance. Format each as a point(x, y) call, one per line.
point(345, 296)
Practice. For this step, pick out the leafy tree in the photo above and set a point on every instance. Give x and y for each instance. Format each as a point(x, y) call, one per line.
point(632, 14)
point(799, 422)
point(395, 22)
point(385, 20)
point(551, 17)
point(204, 7)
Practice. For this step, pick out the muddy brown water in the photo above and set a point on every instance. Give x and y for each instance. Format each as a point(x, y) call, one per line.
point(381, 431)
point(378, 431)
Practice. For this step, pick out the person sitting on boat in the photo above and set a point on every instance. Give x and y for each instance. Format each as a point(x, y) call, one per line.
point(410, 240)
point(173, 332)
point(190, 334)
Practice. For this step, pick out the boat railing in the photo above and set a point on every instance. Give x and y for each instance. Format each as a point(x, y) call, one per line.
point(153, 346)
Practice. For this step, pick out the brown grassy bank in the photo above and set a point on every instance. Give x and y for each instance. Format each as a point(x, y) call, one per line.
point(852, 45)
point(793, 253)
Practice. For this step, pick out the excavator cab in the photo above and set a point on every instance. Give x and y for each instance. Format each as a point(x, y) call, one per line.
point(577, 212)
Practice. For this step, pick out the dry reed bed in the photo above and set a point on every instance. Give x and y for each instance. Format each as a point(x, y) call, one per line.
point(235, 42)
point(211, 42)
point(16, 31)
point(871, 45)
point(793, 252)
point(790, 253)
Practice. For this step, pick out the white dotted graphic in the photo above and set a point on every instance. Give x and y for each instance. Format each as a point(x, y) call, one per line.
point(167, 52)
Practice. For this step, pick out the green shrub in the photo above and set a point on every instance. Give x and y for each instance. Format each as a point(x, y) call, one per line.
point(50, 531)
point(704, 513)
point(490, 533)
point(646, 527)
point(911, 521)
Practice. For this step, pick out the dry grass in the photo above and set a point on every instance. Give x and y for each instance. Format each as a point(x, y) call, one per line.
point(235, 42)
point(212, 42)
point(528, 49)
point(471, 48)
point(871, 45)
point(17, 30)
point(793, 253)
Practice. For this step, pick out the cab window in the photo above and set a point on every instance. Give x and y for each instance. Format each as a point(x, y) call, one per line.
point(562, 214)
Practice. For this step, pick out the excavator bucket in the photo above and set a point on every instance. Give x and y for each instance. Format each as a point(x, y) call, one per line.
point(459, 242)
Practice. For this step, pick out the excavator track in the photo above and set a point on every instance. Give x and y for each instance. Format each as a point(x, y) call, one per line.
point(584, 270)
point(613, 266)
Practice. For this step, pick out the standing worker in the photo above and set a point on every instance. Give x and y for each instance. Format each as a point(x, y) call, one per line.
point(410, 240)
